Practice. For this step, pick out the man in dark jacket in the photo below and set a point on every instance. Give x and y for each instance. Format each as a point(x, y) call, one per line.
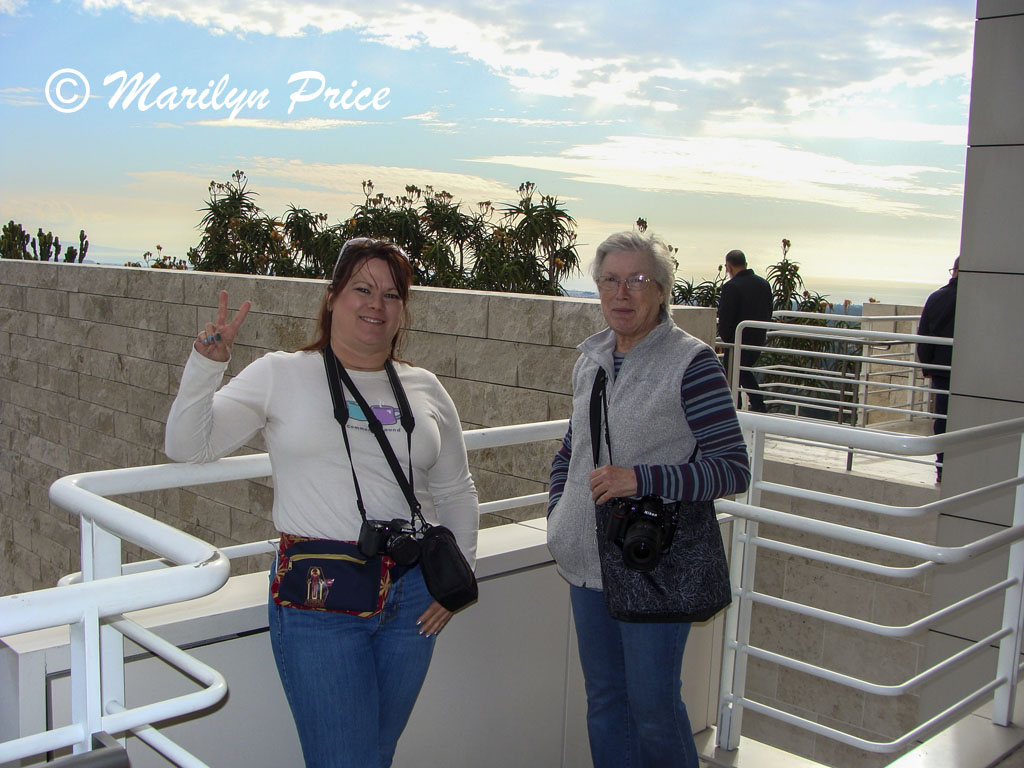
point(937, 319)
point(745, 296)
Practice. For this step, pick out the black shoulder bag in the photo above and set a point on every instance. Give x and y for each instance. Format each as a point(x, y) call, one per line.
point(660, 562)
point(447, 573)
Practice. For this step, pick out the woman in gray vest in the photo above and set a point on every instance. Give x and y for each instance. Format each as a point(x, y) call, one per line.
point(671, 432)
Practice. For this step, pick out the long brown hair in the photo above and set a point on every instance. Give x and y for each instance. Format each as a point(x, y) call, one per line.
point(353, 254)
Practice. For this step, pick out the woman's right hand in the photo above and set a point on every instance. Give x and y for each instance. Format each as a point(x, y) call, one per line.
point(214, 341)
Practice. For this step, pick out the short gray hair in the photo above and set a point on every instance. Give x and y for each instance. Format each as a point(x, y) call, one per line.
point(663, 266)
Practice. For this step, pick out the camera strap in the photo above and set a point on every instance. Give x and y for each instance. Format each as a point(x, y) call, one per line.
point(336, 376)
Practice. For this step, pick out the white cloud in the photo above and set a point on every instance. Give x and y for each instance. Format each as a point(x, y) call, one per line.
point(303, 124)
point(347, 178)
point(162, 206)
point(744, 167)
point(827, 123)
point(540, 121)
point(792, 63)
point(20, 97)
point(431, 118)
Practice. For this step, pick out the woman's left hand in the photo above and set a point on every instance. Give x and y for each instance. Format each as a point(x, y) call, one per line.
point(609, 482)
point(433, 619)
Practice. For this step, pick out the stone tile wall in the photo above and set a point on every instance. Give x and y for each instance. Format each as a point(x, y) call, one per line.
point(90, 358)
point(988, 349)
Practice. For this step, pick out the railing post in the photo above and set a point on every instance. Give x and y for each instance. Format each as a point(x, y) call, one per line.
point(734, 364)
point(1013, 609)
point(84, 637)
point(737, 618)
point(97, 651)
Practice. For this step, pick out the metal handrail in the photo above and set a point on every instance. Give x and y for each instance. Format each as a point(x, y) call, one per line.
point(746, 541)
point(186, 568)
point(852, 393)
point(189, 566)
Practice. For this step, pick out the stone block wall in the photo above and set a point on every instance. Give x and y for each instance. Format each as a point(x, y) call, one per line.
point(90, 359)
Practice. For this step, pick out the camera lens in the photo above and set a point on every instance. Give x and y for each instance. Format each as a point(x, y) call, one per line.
point(641, 547)
point(404, 549)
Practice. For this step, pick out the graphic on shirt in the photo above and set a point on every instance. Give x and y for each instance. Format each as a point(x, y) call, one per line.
point(317, 587)
point(387, 414)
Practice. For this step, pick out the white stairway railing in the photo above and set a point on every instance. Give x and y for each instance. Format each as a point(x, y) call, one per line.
point(746, 542)
point(840, 372)
point(844, 390)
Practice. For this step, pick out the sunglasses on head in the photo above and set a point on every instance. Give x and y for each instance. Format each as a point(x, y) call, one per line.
point(359, 242)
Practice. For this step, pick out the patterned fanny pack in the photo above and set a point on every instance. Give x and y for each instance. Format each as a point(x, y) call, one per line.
point(328, 575)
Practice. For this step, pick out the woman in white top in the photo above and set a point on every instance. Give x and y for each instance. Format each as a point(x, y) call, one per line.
point(351, 670)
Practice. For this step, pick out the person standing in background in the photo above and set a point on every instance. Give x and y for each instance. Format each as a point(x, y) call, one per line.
point(937, 319)
point(745, 296)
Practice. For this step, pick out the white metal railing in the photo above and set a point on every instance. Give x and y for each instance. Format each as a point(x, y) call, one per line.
point(94, 601)
point(869, 383)
point(93, 607)
point(746, 541)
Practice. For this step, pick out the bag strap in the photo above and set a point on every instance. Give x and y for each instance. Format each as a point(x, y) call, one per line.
point(336, 376)
point(596, 401)
point(599, 404)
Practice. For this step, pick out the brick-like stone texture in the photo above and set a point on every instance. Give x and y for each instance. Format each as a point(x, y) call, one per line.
point(91, 356)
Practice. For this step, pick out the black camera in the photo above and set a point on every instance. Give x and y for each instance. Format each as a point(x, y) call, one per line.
point(643, 528)
point(396, 538)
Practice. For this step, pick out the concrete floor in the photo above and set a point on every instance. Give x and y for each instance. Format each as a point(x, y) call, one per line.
point(918, 470)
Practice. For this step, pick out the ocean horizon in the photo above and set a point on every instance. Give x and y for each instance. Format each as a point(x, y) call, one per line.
point(837, 290)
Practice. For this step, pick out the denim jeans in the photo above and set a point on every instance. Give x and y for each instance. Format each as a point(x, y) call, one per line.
point(352, 682)
point(635, 715)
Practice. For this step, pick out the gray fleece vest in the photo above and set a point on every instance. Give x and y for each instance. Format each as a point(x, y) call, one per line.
point(646, 425)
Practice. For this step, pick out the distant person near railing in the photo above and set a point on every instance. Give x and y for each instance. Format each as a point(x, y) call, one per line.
point(653, 427)
point(745, 296)
point(937, 319)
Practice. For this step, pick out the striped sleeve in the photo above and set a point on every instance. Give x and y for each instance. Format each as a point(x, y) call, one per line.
point(722, 468)
point(559, 470)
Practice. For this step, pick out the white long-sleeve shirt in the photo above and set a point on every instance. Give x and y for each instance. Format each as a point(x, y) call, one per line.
point(286, 395)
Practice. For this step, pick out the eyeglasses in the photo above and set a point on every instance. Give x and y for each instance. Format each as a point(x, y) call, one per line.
point(356, 242)
point(952, 270)
point(363, 242)
point(609, 284)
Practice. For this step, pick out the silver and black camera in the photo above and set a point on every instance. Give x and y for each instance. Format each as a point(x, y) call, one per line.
point(643, 528)
point(396, 538)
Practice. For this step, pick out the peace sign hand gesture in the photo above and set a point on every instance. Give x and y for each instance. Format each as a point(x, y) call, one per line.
point(215, 340)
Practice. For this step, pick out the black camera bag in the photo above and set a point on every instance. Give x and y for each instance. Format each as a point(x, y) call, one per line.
point(690, 582)
point(446, 571)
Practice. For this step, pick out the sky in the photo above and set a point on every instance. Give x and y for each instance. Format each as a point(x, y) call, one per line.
point(841, 127)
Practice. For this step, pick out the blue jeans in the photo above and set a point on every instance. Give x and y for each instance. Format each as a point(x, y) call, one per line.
point(635, 714)
point(352, 682)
